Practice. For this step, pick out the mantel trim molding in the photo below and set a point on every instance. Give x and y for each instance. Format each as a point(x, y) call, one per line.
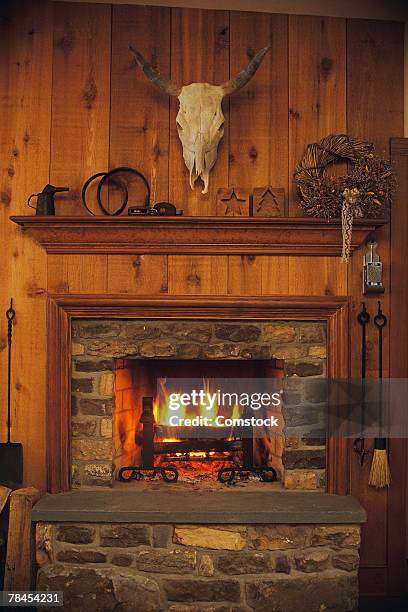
point(193, 235)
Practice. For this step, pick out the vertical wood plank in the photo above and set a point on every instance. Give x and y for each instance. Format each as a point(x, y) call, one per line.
point(77, 273)
point(275, 275)
point(258, 156)
point(139, 124)
point(244, 275)
point(80, 98)
point(138, 274)
point(258, 119)
point(257, 275)
point(317, 276)
point(25, 157)
point(317, 86)
point(199, 53)
point(198, 275)
point(374, 57)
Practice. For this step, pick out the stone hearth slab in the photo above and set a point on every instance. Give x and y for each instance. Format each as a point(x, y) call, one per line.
point(237, 507)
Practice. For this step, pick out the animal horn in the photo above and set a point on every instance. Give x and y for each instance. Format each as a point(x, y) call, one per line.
point(165, 84)
point(245, 75)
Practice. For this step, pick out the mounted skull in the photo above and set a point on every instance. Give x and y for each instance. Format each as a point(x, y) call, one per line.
point(200, 121)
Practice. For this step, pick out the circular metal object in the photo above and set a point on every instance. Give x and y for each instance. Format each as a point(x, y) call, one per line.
point(105, 176)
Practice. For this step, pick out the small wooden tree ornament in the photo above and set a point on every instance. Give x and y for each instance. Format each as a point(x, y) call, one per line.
point(268, 202)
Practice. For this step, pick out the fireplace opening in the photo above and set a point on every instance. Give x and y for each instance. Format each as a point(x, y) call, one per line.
point(212, 434)
point(116, 363)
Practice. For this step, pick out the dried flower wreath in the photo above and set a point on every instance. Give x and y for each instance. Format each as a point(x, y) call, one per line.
point(365, 191)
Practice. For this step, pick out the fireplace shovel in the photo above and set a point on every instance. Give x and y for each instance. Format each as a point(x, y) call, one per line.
point(11, 453)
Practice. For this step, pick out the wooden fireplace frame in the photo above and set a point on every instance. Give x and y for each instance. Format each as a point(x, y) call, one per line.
point(62, 308)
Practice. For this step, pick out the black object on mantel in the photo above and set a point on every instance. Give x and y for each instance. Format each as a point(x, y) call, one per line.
point(11, 453)
point(45, 203)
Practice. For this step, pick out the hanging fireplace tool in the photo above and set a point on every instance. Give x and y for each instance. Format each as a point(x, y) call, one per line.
point(11, 453)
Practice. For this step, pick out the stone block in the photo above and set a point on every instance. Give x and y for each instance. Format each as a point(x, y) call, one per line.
point(106, 384)
point(100, 589)
point(81, 556)
point(316, 391)
point(282, 564)
point(83, 587)
point(196, 332)
point(112, 348)
point(311, 560)
point(314, 437)
point(82, 385)
point(74, 405)
point(279, 333)
point(207, 537)
point(318, 351)
point(312, 332)
point(97, 329)
point(162, 535)
point(304, 368)
point(75, 534)
point(76, 478)
point(188, 350)
point(157, 349)
point(337, 593)
point(124, 536)
point(206, 566)
point(139, 331)
point(233, 563)
point(106, 428)
point(347, 561)
point(193, 590)
point(93, 365)
point(43, 543)
point(277, 537)
point(336, 536)
point(256, 351)
point(83, 429)
point(91, 449)
point(237, 333)
point(222, 351)
point(289, 351)
point(313, 458)
point(136, 593)
point(98, 474)
point(96, 407)
point(301, 479)
point(167, 561)
point(77, 349)
point(122, 560)
point(300, 415)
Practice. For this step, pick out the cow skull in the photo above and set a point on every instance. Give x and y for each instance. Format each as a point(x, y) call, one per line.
point(200, 121)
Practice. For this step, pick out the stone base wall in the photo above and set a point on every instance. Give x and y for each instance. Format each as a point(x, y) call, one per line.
point(96, 343)
point(186, 568)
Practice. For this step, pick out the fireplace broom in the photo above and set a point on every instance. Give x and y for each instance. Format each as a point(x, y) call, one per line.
point(380, 475)
point(11, 453)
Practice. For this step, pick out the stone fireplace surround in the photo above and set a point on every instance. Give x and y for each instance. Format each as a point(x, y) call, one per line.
point(224, 551)
point(100, 346)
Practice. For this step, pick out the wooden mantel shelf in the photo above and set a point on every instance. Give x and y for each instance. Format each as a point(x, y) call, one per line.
point(193, 235)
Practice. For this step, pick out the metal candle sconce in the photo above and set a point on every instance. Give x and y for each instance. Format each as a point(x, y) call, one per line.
point(372, 271)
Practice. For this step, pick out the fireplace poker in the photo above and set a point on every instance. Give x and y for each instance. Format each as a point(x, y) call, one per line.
point(380, 476)
point(363, 318)
point(11, 453)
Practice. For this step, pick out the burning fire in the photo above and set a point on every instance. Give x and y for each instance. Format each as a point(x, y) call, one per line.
point(162, 411)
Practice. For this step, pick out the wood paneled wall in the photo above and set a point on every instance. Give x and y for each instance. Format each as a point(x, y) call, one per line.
point(73, 103)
